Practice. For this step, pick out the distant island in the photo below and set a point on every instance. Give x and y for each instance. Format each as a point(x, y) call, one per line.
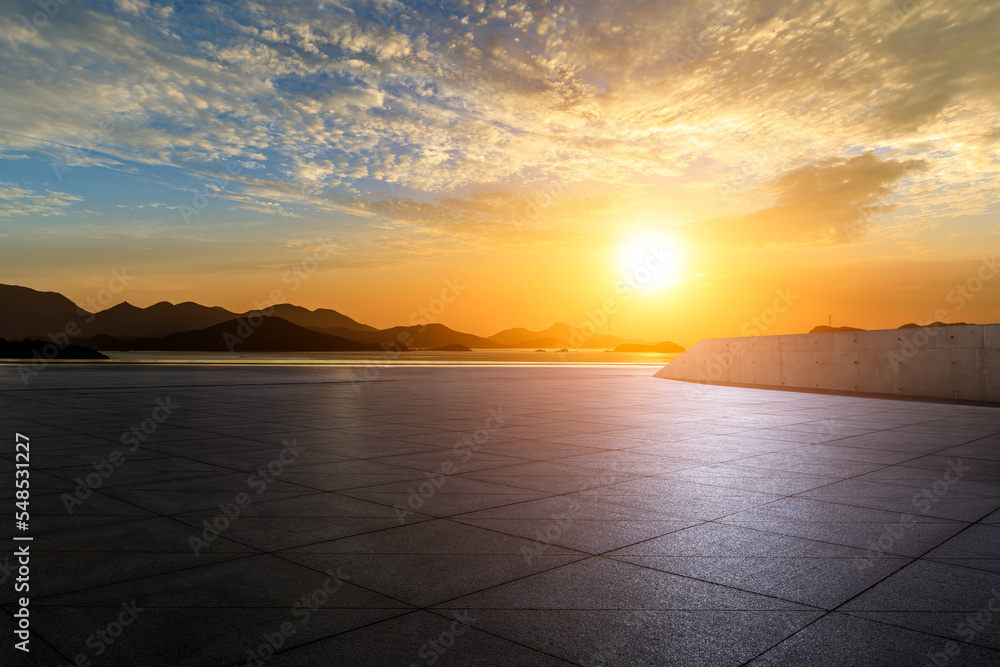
point(558, 335)
point(911, 325)
point(454, 347)
point(44, 349)
point(826, 329)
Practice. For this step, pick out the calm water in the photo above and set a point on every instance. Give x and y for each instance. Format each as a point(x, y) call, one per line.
point(412, 358)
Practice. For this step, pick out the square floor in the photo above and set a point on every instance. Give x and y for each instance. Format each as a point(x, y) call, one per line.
point(491, 515)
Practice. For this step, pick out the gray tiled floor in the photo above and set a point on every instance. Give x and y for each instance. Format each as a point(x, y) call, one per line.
point(610, 519)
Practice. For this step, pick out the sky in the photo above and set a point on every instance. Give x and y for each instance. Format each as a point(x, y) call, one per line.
point(657, 170)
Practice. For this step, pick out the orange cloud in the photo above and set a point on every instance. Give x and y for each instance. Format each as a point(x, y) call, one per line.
point(821, 203)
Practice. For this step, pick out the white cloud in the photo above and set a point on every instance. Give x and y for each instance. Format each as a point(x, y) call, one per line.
point(17, 200)
point(448, 99)
point(132, 6)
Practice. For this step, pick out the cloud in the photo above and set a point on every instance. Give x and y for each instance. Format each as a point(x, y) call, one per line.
point(16, 200)
point(829, 201)
point(132, 6)
point(337, 101)
point(269, 208)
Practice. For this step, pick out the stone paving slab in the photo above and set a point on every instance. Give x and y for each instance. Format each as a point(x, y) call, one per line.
point(279, 515)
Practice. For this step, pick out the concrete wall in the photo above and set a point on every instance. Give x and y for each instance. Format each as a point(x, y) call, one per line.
point(961, 362)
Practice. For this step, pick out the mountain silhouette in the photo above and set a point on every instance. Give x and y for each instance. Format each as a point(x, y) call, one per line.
point(425, 336)
point(560, 331)
point(160, 319)
point(25, 312)
point(271, 334)
point(514, 337)
point(913, 325)
point(164, 318)
point(321, 318)
point(190, 326)
point(28, 312)
point(825, 329)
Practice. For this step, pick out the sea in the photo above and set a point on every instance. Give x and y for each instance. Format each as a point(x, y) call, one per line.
point(408, 358)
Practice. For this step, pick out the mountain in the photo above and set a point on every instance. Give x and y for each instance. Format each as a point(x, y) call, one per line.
point(665, 347)
point(25, 312)
point(426, 336)
point(164, 318)
point(273, 334)
point(514, 337)
point(560, 331)
point(825, 329)
point(28, 312)
point(160, 319)
point(911, 325)
point(321, 318)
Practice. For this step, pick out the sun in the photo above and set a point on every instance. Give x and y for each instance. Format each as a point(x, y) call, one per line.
point(650, 261)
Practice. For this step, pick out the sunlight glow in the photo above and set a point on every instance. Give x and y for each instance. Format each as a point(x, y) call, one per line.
point(650, 262)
